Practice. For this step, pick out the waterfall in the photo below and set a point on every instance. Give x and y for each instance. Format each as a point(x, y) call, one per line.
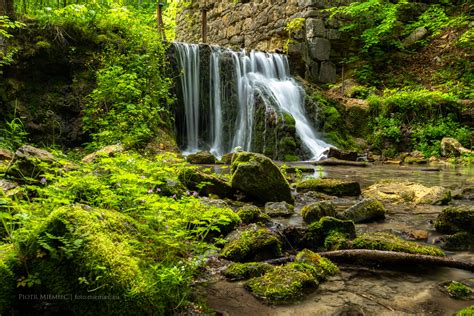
point(188, 59)
point(256, 75)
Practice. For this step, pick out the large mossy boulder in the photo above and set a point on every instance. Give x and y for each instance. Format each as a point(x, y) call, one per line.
point(456, 219)
point(31, 162)
point(279, 209)
point(252, 244)
point(462, 241)
point(259, 178)
point(334, 187)
point(315, 211)
point(367, 210)
point(8, 278)
point(201, 158)
point(78, 249)
point(411, 192)
point(205, 184)
point(389, 242)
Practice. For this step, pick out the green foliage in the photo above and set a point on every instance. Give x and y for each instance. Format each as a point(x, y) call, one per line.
point(120, 225)
point(13, 135)
point(7, 53)
point(295, 25)
point(468, 311)
point(433, 19)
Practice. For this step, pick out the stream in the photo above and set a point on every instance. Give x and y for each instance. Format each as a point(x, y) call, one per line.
point(362, 290)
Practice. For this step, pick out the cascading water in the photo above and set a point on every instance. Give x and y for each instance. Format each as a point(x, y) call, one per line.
point(256, 75)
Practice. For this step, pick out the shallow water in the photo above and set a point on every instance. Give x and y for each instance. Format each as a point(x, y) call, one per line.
point(364, 291)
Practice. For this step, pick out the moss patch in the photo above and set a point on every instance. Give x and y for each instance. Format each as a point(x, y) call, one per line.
point(244, 271)
point(389, 242)
point(252, 214)
point(365, 211)
point(456, 219)
point(333, 187)
point(253, 243)
point(315, 211)
point(319, 267)
point(468, 311)
point(458, 290)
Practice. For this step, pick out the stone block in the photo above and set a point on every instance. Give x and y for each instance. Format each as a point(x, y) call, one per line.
point(333, 34)
point(315, 28)
point(327, 72)
point(319, 48)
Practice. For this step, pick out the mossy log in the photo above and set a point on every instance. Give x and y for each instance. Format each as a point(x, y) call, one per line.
point(401, 259)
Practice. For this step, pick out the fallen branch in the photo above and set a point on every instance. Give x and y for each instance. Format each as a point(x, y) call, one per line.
point(353, 256)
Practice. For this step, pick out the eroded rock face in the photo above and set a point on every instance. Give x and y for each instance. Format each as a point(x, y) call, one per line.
point(451, 147)
point(259, 179)
point(367, 210)
point(411, 192)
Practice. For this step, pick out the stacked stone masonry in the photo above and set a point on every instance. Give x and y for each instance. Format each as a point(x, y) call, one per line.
point(314, 51)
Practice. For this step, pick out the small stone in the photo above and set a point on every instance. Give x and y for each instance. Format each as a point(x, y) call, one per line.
point(201, 158)
point(279, 209)
point(366, 211)
point(315, 211)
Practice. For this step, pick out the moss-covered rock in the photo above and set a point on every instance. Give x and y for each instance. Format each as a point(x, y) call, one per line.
point(244, 271)
point(205, 184)
point(282, 285)
point(259, 178)
point(389, 242)
point(279, 209)
point(78, 249)
point(367, 210)
point(315, 211)
point(7, 278)
point(317, 232)
point(321, 268)
point(462, 241)
point(337, 240)
point(333, 187)
point(458, 290)
point(468, 311)
point(10, 188)
point(227, 158)
point(107, 151)
point(31, 162)
point(456, 219)
point(254, 243)
point(201, 158)
point(252, 214)
point(404, 191)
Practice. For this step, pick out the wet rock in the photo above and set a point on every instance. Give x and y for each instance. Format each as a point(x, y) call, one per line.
point(366, 211)
point(455, 219)
point(321, 267)
point(330, 186)
point(259, 178)
point(31, 162)
point(205, 184)
point(279, 209)
point(328, 229)
point(319, 48)
point(338, 162)
point(462, 241)
point(459, 290)
point(452, 147)
point(341, 154)
point(416, 193)
point(315, 211)
point(418, 235)
point(244, 271)
point(201, 158)
point(107, 151)
point(227, 158)
point(389, 242)
point(252, 214)
point(252, 244)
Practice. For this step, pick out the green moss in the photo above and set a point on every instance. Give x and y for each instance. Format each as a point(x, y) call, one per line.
point(458, 290)
point(315, 211)
point(319, 267)
point(330, 186)
point(252, 214)
point(462, 241)
point(456, 219)
point(244, 271)
point(282, 285)
point(43, 45)
point(205, 184)
point(253, 244)
point(389, 242)
point(317, 232)
point(365, 211)
point(468, 311)
point(336, 240)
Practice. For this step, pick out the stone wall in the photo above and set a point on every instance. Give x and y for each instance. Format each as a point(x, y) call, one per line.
point(314, 51)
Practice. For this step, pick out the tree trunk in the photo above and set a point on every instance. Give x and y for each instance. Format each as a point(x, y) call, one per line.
point(7, 8)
